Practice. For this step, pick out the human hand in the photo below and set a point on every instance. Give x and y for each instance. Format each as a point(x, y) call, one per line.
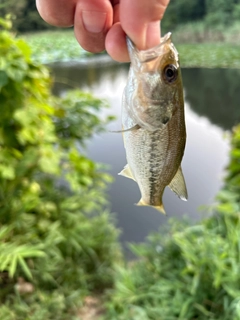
point(103, 24)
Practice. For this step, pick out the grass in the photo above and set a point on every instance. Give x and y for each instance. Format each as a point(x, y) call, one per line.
point(204, 48)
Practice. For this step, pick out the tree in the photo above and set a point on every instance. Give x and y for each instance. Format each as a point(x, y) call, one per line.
point(183, 11)
point(24, 15)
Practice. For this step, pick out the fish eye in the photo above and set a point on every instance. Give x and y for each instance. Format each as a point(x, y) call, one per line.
point(170, 73)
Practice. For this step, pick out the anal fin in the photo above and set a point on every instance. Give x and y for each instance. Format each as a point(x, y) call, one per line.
point(126, 172)
point(178, 185)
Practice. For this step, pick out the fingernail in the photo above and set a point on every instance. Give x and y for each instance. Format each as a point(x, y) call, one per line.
point(94, 21)
point(152, 34)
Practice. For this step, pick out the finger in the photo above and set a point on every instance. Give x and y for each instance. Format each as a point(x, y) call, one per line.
point(116, 43)
point(115, 5)
point(59, 13)
point(140, 21)
point(92, 21)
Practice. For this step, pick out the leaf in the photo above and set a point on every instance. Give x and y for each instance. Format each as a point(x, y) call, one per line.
point(5, 260)
point(203, 310)
point(25, 268)
point(7, 172)
point(4, 231)
point(3, 79)
point(24, 47)
point(13, 265)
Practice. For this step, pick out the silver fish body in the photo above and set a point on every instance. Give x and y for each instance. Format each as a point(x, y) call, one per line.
point(153, 122)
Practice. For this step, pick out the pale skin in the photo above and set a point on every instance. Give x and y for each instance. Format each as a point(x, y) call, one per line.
point(103, 24)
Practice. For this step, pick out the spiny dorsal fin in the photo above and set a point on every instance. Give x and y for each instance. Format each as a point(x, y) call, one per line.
point(178, 185)
point(126, 172)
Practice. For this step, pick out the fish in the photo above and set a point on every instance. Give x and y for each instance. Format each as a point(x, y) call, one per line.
point(153, 122)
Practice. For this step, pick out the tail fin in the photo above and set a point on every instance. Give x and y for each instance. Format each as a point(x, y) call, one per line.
point(159, 208)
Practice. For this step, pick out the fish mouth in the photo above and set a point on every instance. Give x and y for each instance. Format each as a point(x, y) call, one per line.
point(152, 53)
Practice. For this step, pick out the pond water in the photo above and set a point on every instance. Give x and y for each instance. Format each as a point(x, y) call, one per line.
point(212, 103)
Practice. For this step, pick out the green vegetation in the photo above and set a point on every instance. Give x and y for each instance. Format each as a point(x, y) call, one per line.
point(199, 32)
point(54, 46)
point(211, 26)
point(209, 55)
point(51, 46)
point(187, 272)
point(211, 12)
point(201, 46)
point(25, 15)
point(58, 243)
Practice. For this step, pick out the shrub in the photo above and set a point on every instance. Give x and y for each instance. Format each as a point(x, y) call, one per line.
point(55, 231)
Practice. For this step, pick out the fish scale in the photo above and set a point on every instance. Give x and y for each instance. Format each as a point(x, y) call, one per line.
point(153, 122)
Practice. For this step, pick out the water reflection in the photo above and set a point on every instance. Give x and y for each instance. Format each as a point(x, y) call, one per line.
point(207, 113)
point(214, 93)
point(87, 76)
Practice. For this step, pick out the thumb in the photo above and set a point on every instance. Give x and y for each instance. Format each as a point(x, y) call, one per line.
point(140, 20)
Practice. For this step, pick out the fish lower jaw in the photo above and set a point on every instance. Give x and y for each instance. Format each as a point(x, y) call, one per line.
point(159, 208)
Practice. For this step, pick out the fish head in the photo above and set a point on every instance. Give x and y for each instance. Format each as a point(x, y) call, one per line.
point(158, 84)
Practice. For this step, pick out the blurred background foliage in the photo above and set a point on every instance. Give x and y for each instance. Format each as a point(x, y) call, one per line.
point(56, 235)
point(212, 12)
point(25, 15)
point(185, 271)
point(197, 25)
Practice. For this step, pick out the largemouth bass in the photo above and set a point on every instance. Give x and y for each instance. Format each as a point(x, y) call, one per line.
point(153, 122)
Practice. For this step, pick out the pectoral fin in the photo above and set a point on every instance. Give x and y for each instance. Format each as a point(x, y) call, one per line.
point(178, 185)
point(126, 172)
point(136, 127)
